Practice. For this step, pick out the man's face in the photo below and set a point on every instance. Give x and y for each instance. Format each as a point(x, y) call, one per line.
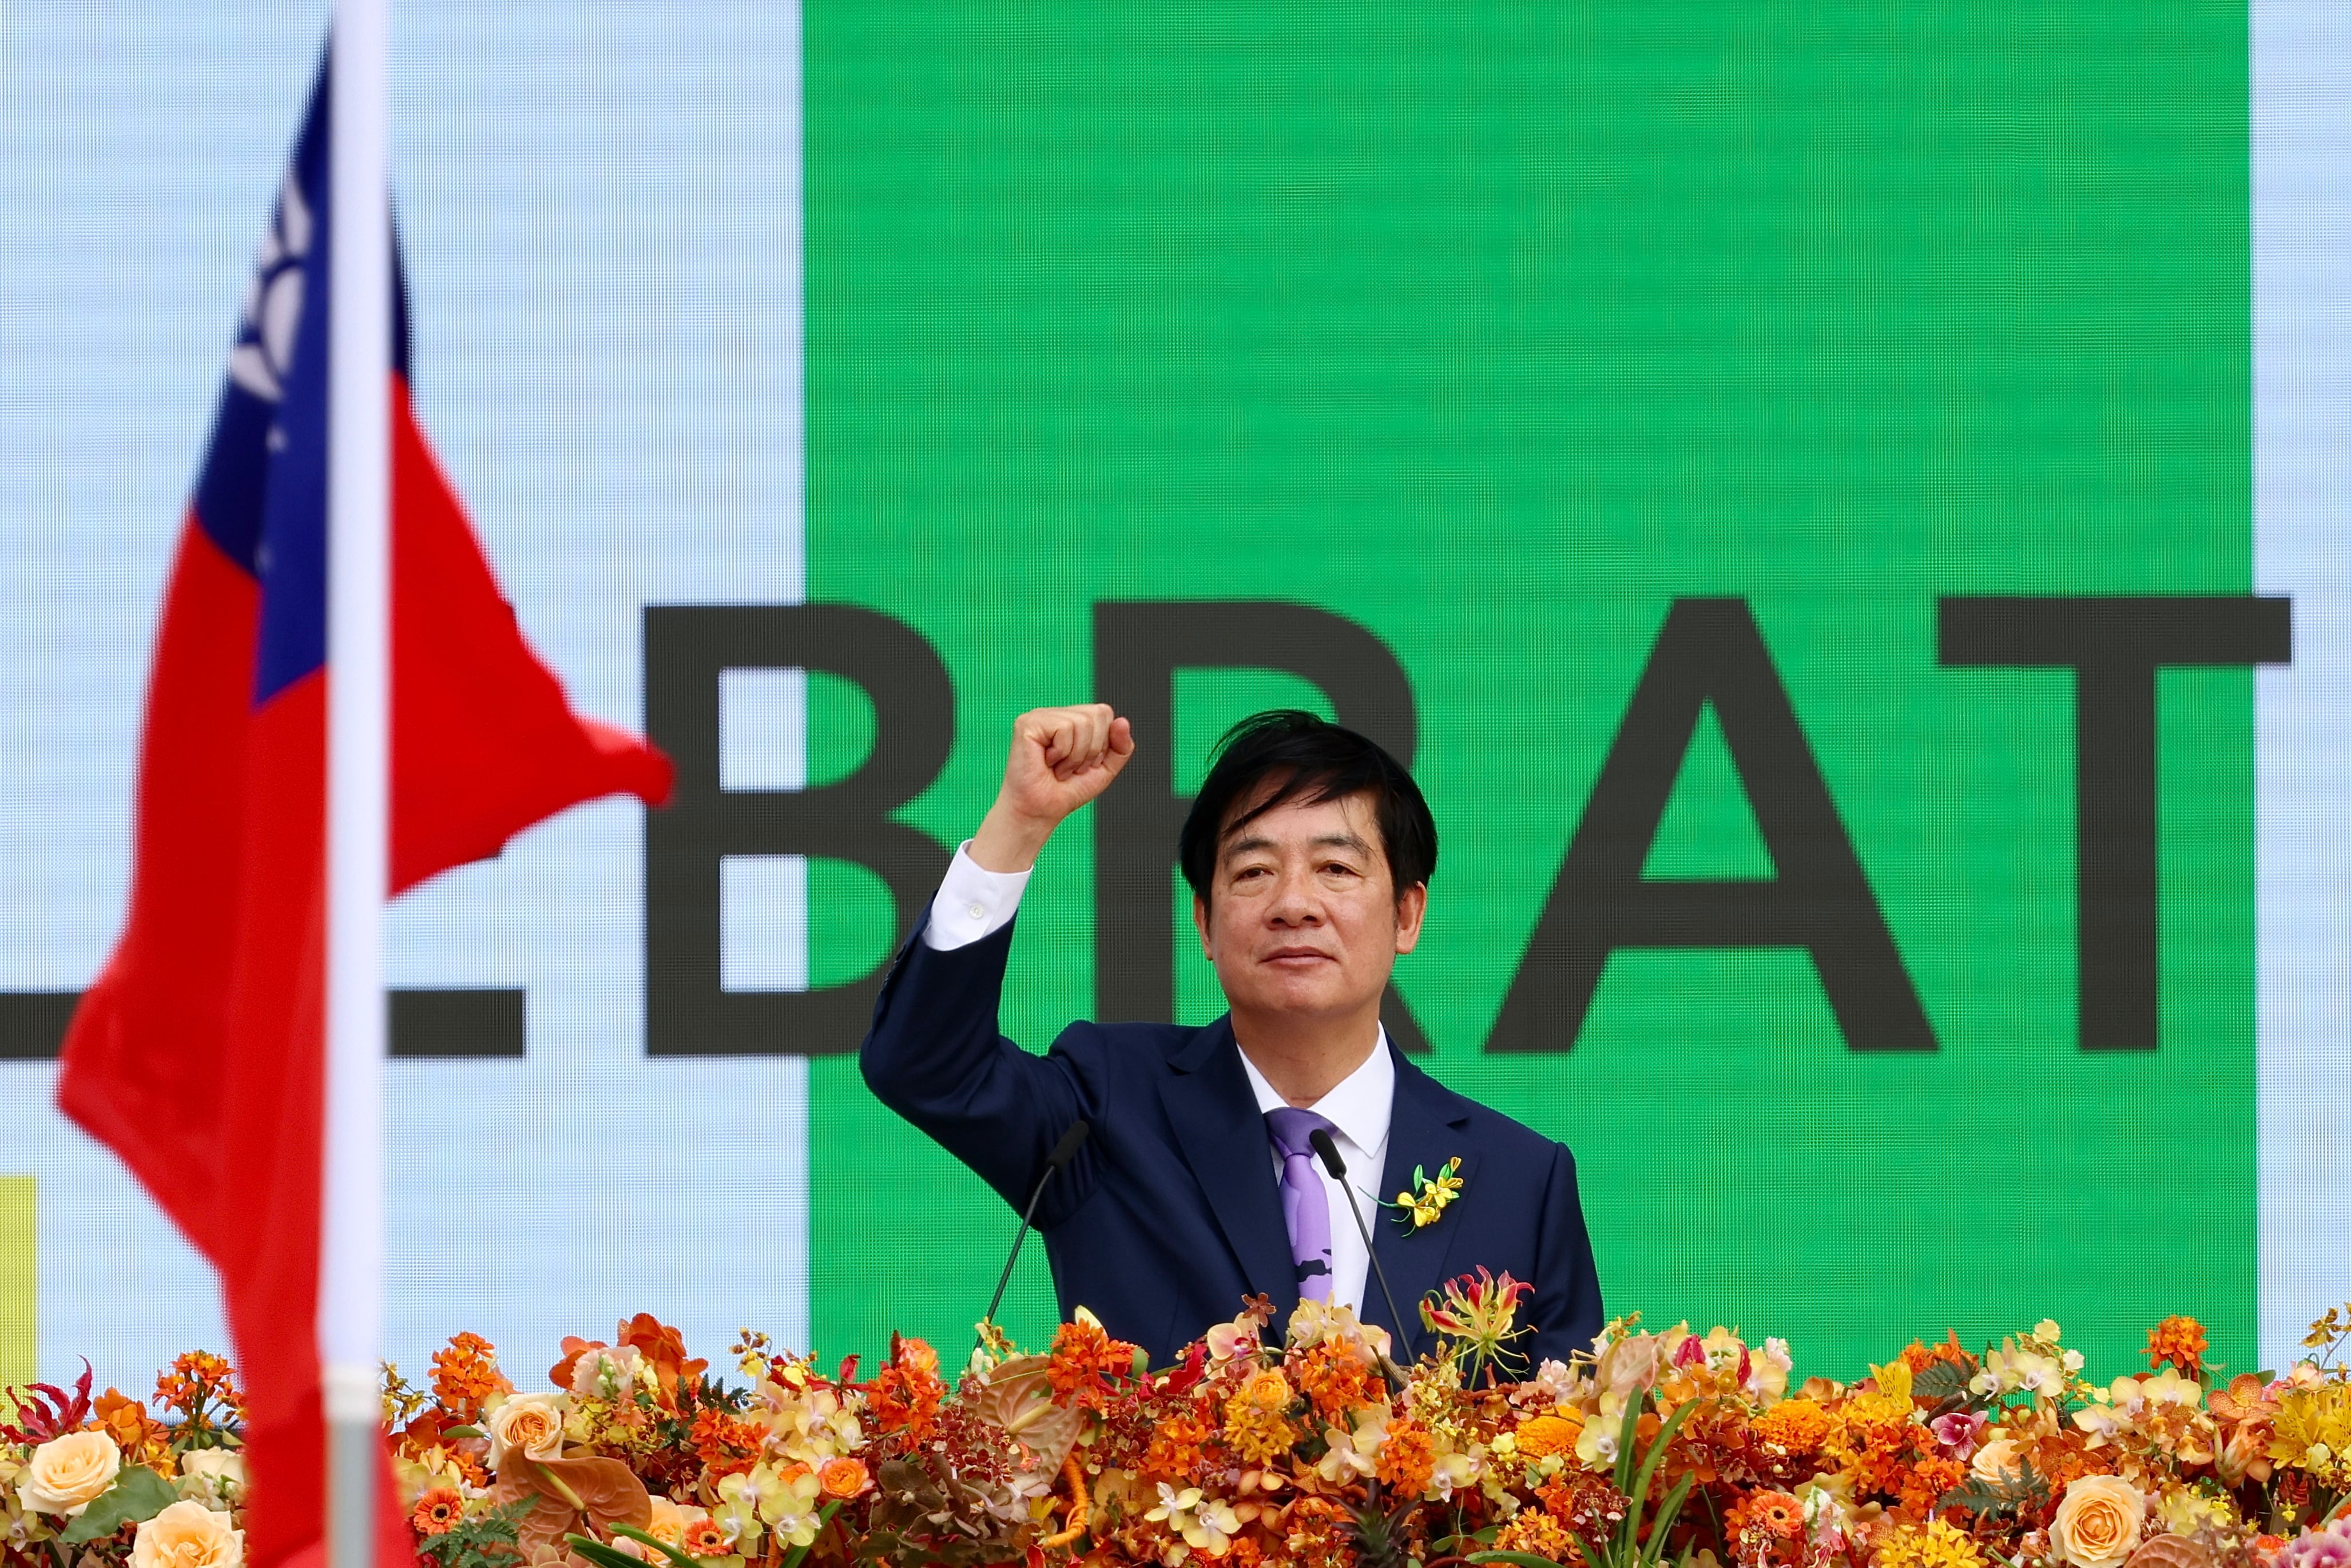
point(1305, 917)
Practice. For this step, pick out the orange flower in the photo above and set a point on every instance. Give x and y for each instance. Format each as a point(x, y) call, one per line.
point(1776, 1513)
point(1409, 1458)
point(705, 1538)
point(1540, 1437)
point(906, 1397)
point(464, 1374)
point(195, 1379)
point(1335, 1380)
point(726, 1444)
point(1084, 1359)
point(139, 1436)
point(844, 1479)
point(1175, 1449)
point(2179, 1341)
point(1795, 1427)
point(666, 1349)
point(438, 1512)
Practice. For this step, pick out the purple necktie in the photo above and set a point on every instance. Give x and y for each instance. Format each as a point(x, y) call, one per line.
point(1305, 1205)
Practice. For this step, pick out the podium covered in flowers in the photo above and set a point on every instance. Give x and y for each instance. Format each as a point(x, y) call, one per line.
point(1657, 1446)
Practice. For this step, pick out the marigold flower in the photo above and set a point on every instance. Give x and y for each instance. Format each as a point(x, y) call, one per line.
point(1540, 1437)
point(2178, 1339)
point(843, 1477)
point(1796, 1428)
point(438, 1512)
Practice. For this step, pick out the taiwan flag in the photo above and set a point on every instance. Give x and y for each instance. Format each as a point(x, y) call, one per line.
point(198, 1055)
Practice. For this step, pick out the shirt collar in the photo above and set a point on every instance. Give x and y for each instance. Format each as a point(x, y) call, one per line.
point(1359, 1106)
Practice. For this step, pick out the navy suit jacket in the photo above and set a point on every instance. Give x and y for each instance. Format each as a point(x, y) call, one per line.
point(1171, 1214)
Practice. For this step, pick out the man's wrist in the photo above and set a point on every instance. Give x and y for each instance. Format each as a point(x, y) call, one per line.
point(1009, 841)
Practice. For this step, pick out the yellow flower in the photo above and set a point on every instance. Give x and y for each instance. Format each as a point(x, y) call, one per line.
point(2313, 1430)
point(1435, 1193)
point(1935, 1545)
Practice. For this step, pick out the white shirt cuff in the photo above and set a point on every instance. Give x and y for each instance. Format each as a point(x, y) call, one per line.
point(972, 903)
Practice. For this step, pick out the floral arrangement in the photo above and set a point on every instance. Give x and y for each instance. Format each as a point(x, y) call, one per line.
point(1652, 1448)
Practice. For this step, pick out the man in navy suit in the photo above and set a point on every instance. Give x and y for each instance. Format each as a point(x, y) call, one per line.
point(1309, 851)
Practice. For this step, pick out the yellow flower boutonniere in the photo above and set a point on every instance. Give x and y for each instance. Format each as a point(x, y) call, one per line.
point(1430, 1197)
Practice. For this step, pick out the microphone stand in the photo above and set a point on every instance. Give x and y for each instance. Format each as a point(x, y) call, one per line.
point(1325, 1148)
point(1064, 1152)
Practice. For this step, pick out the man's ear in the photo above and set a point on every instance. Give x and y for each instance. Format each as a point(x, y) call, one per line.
point(1200, 921)
point(1411, 905)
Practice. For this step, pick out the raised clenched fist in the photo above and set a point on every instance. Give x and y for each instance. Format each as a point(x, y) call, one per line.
point(1061, 758)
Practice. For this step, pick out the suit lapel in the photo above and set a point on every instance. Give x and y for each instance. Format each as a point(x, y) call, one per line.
point(1424, 1130)
point(1222, 1134)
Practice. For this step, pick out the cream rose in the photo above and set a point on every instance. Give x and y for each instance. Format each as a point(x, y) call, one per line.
point(532, 1423)
point(67, 1474)
point(188, 1535)
point(2000, 1458)
point(2099, 1521)
point(215, 1475)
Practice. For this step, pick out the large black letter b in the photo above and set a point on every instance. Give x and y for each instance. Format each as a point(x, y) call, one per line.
point(687, 1012)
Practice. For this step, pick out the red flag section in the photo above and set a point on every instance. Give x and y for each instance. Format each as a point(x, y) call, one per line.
point(198, 1055)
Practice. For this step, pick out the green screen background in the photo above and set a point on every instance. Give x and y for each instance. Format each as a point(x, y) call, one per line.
point(1495, 330)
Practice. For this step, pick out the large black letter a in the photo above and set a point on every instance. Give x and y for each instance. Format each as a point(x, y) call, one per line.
point(1712, 651)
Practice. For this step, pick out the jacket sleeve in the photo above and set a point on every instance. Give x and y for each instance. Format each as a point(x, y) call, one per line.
point(933, 1055)
point(1564, 1311)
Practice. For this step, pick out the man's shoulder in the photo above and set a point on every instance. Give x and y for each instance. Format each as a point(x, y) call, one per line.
point(1489, 1129)
point(1181, 1046)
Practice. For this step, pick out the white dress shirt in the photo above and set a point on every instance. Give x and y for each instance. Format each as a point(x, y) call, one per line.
point(973, 902)
point(1359, 1106)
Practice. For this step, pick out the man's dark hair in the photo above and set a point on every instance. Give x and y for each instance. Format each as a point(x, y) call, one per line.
point(1310, 759)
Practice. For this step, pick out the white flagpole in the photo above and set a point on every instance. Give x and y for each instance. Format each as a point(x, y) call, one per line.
point(358, 596)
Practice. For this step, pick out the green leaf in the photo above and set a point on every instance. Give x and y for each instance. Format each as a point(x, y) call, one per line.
point(2018, 1491)
point(1665, 1520)
point(1517, 1559)
point(1657, 1449)
point(462, 1432)
point(601, 1555)
point(1628, 1438)
point(1944, 1382)
point(137, 1495)
point(666, 1550)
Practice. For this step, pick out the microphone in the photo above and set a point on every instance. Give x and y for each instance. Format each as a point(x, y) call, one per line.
point(1329, 1150)
point(1064, 1152)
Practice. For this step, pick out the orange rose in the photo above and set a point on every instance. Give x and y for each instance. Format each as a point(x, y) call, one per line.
point(2099, 1521)
point(1268, 1390)
point(844, 1479)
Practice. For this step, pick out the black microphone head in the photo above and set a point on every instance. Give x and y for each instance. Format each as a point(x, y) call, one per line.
point(1071, 1142)
point(1330, 1152)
